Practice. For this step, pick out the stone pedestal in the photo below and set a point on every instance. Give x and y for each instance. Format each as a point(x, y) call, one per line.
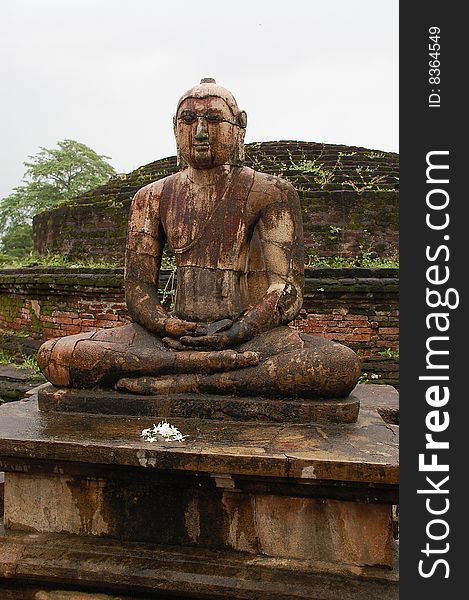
point(237, 510)
point(201, 406)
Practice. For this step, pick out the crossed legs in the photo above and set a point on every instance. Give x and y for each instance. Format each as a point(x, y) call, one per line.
point(279, 362)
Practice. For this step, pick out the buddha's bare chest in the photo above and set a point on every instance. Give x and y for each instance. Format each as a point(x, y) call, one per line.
point(207, 226)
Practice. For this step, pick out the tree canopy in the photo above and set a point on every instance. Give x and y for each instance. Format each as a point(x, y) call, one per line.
point(53, 176)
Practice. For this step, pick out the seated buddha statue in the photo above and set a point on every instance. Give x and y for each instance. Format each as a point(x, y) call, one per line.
point(237, 238)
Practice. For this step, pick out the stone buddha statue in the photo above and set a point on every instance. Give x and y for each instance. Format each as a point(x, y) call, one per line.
point(238, 241)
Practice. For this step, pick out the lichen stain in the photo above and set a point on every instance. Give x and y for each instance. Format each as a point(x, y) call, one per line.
point(308, 473)
point(236, 537)
point(36, 308)
point(144, 460)
point(192, 520)
point(88, 497)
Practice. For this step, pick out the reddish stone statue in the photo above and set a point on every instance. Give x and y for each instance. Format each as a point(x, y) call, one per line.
point(238, 241)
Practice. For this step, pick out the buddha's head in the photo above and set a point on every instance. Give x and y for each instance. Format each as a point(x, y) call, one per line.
point(209, 127)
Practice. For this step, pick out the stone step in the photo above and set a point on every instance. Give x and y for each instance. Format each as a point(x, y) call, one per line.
point(34, 564)
point(15, 382)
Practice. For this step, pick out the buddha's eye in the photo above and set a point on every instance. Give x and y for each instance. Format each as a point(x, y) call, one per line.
point(211, 118)
point(188, 118)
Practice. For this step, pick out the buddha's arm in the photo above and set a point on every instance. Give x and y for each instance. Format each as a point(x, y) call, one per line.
point(280, 230)
point(145, 243)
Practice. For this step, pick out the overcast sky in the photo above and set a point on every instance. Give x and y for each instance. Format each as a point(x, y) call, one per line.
point(108, 73)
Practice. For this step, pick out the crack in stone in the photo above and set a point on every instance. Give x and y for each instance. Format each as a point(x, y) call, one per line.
point(394, 434)
point(269, 446)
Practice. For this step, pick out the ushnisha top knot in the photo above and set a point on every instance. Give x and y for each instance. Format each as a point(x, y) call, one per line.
point(209, 87)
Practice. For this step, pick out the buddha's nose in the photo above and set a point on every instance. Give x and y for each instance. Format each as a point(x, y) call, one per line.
point(201, 131)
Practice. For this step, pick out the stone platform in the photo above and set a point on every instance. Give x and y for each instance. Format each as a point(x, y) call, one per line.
point(201, 406)
point(237, 510)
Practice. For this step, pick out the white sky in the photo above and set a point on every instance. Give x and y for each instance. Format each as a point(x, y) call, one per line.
point(108, 73)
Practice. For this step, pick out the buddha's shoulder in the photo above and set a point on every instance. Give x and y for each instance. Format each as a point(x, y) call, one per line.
point(155, 188)
point(273, 186)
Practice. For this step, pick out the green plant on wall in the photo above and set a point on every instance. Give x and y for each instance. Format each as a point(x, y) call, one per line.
point(332, 237)
point(368, 378)
point(365, 180)
point(299, 168)
point(347, 154)
point(389, 353)
point(313, 168)
point(53, 260)
point(373, 154)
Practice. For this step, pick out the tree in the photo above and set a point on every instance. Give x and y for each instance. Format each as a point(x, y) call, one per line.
point(52, 177)
point(17, 242)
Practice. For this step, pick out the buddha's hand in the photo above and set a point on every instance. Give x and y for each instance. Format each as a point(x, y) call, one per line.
point(202, 330)
point(231, 337)
point(176, 328)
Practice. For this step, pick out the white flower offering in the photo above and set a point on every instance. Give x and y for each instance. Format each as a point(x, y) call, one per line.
point(163, 431)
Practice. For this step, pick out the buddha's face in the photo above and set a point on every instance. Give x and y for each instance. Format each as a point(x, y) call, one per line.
point(206, 131)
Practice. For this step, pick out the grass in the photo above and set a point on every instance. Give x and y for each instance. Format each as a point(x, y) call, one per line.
point(22, 361)
point(6, 357)
point(30, 362)
point(366, 260)
point(52, 260)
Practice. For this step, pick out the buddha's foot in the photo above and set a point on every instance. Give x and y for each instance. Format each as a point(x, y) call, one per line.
point(189, 367)
point(166, 384)
point(211, 362)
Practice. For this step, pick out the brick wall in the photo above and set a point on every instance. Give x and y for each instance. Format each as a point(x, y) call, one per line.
point(50, 302)
point(357, 307)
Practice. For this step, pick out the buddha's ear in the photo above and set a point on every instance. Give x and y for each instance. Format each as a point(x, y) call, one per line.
point(237, 156)
point(181, 163)
point(242, 119)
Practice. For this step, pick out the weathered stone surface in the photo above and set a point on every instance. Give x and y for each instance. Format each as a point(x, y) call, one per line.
point(68, 595)
point(49, 504)
point(12, 373)
point(16, 382)
point(163, 572)
point(386, 402)
point(325, 530)
point(203, 406)
point(203, 514)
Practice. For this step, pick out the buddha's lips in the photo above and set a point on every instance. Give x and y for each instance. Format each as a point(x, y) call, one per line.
point(201, 146)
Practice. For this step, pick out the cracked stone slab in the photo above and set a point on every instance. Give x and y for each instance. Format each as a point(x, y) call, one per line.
point(365, 451)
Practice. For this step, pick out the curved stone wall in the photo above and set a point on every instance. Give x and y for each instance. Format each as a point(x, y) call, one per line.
point(349, 197)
